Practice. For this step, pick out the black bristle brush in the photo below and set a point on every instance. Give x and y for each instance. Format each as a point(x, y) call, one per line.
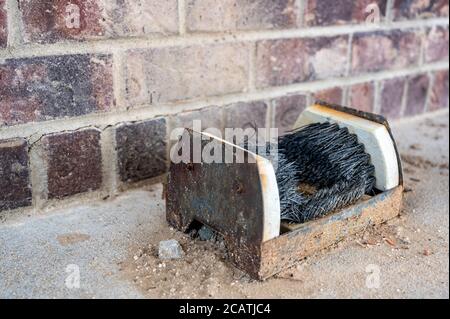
point(326, 159)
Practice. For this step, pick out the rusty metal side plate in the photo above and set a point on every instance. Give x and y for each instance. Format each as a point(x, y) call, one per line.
point(226, 197)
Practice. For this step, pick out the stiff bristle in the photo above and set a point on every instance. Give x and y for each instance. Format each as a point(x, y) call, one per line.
point(328, 159)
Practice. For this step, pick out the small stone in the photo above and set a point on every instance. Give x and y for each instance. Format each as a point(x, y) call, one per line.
point(427, 252)
point(206, 233)
point(170, 249)
point(405, 240)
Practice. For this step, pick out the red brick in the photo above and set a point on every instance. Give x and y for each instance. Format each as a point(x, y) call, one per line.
point(230, 15)
point(47, 88)
point(211, 117)
point(177, 73)
point(338, 12)
point(50, 21)
point(417, 94)
point(287, 110)
point(284, 62)
point(413, 9)
point(439, 91)
point(15, 188)
point(3, 24)
point(246, 115)
point(74, 162)
point(142, 150)
point(392, 97)
point(362, 96)
point(380, 51)
point(437, 44)
point(332, 96)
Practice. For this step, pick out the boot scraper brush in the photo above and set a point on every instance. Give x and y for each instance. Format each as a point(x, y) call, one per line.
point(338, 172)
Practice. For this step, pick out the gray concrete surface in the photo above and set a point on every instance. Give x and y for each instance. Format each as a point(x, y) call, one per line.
point(39, 255)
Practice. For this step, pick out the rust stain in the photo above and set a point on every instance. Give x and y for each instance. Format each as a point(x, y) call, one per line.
point(337, 114)
point(72, 238)
point(263, 181)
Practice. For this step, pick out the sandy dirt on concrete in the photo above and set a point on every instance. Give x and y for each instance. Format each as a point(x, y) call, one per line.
point(410, 252)
point(205, 273)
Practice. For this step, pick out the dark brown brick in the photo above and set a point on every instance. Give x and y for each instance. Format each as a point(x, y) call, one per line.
point(284, 62)
point(142, 150)
point(52, 21)
point(177, 73)
point(437, 44)
point(413, 9)
point(15, 188)
point(74, 162)
point(417, 94)
point(380, 51)
point(362, 96)
point(3, 25)
point(48, 21)
point(337, 12)
point(230, 15)
point(211, 117)
point(333, 95)
point(392, 97)
point(439, 91)
point(46, 88)
point(287, 110)
point(246, 115)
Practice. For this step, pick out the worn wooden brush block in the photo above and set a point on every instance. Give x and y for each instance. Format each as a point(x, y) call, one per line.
point(375, 137)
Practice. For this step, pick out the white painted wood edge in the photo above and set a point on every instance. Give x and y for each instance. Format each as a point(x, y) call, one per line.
point(271, 199)
point(375, 137)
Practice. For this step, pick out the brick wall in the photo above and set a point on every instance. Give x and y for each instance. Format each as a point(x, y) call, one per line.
point(91, 89)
